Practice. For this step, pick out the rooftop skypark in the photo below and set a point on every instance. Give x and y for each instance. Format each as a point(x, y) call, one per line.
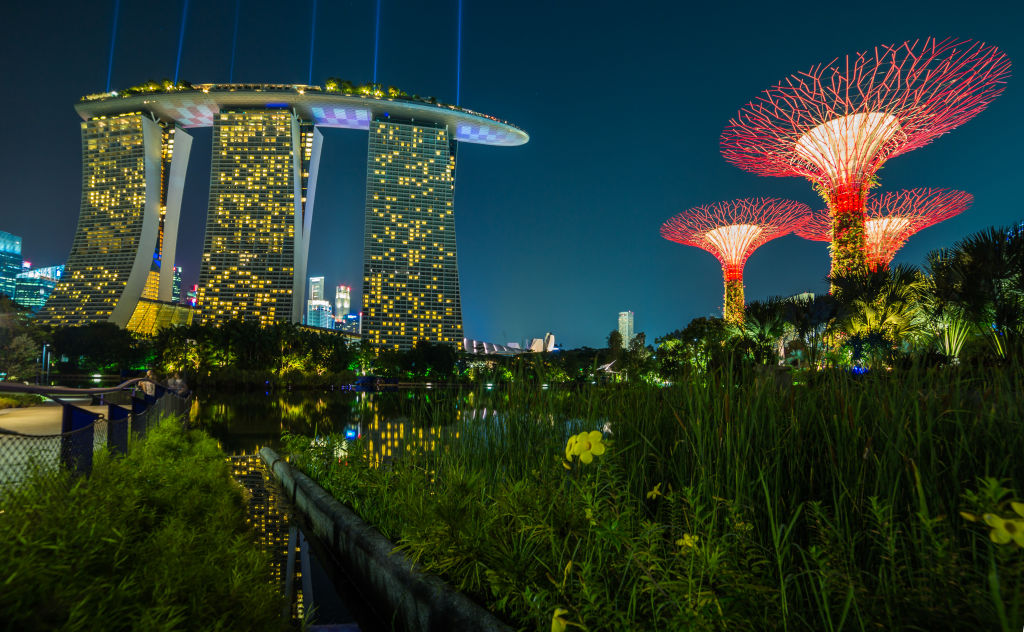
point(181, 95)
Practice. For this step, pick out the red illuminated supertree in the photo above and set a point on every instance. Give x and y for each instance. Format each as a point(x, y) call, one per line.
point(838, 123)
point(732, 231)
point(892, 218)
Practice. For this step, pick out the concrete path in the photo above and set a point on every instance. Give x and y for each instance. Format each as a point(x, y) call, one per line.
point(39, 420)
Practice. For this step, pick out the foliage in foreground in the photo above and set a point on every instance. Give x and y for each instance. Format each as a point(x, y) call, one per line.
point(156, 540)
point(20, 400)
point(734, 500)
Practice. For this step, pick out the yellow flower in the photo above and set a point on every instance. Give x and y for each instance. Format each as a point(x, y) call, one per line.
point(1018, 508)
point(688, 541)
point(588, 445)
point(654, 493)
point(569, 446)
point(559, 622)
point(1005, 529)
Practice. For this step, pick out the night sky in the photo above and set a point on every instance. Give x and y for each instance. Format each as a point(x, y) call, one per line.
point(624, 103)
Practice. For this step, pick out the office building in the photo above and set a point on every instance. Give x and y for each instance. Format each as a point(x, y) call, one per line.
point(316, 288)
point(133, 171)
point(33, 287)
point(626, 328)
point(176, 285)
point(318, 314)
point(10, 262)
point(342, 301)
point(410, 270)
point(315, 301)
point(349, 323)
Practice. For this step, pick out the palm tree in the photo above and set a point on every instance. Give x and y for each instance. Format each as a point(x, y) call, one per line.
point(764, 328)
point(945, 316)
point(809, 317)
point(986, 280)
point(878, 310)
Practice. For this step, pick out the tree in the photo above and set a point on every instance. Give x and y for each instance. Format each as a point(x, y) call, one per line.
point(615, 341)
point(18, 359)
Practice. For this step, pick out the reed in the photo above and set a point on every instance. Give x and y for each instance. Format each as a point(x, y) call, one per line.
point(739, 498)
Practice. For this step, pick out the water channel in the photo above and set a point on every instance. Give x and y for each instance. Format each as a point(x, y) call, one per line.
point(242, 423)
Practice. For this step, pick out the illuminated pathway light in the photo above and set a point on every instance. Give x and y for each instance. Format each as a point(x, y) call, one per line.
point(892, 219)
point(732, 231)
point(837, 123)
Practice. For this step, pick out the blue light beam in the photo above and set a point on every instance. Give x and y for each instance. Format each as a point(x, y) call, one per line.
point(234, 43)
point(458, 61)
point(376, 43)
point(312, 42)
point(113, 40)
point(181, 39)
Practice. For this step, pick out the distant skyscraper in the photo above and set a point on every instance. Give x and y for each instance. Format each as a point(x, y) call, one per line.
point(10, 262)
point(34, 286)
point(133, 171)
point(318, 314)
point(410, 271)
point(349, 323)
point(176, 285)
point(626, 327)
point(257, 222)
point(314, 305)
point(316, 288)
point(342, 302)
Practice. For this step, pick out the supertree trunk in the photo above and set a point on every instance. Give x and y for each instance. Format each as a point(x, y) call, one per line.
point(849, 215)
point(732, 309)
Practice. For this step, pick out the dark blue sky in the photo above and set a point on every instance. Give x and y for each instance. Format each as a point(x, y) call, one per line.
point(624, 104)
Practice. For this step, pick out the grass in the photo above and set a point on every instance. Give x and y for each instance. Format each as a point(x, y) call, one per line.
point(736, 500)
point(156, 540)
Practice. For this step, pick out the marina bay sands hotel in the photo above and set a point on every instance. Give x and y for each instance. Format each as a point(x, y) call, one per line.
point(267, 143)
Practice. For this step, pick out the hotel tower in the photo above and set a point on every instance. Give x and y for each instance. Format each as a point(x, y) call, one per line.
point(133, 171)
point(266, 148)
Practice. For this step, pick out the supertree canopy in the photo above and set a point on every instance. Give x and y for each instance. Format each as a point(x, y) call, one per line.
point(732, 231)
point(837, 123)
point(892, 218)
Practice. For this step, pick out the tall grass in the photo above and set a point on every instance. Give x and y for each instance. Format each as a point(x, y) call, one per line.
point(156, 540)
point(740, 498)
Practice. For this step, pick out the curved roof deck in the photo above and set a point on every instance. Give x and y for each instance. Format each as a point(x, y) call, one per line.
point(197, 106)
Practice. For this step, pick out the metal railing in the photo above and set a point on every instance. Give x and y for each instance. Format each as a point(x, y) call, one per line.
point(83, 431)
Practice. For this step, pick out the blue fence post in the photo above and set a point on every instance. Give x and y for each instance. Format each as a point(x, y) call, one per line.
point(76, 438)
point(117, 429)
point(140, 408)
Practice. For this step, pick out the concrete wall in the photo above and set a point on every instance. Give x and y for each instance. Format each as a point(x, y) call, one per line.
point(416, 602)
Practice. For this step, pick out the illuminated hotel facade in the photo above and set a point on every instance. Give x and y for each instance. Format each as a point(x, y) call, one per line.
point(132, 179)
point(266, 149)
point(410, 270)
point(255, 238)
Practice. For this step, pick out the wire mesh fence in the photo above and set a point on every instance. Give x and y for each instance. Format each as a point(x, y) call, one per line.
point(24, 456)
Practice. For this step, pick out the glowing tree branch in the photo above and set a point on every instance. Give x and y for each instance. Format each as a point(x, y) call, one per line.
point(837, 123)
point(892, 219)
point(732, 231)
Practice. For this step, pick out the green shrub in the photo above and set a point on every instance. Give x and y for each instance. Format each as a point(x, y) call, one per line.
point(156, 540)
point(20, 400)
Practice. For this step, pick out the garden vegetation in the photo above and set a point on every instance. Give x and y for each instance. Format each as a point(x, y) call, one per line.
point(155, 540)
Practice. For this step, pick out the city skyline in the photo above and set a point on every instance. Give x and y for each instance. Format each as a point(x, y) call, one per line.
point(533, 222)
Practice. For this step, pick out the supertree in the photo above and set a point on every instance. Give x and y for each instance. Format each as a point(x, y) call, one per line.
point(893, 218)
point(837, 123)
point(732, 231)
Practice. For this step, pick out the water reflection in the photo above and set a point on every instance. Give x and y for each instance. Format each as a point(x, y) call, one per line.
point(267, 512)
point(389, 423)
